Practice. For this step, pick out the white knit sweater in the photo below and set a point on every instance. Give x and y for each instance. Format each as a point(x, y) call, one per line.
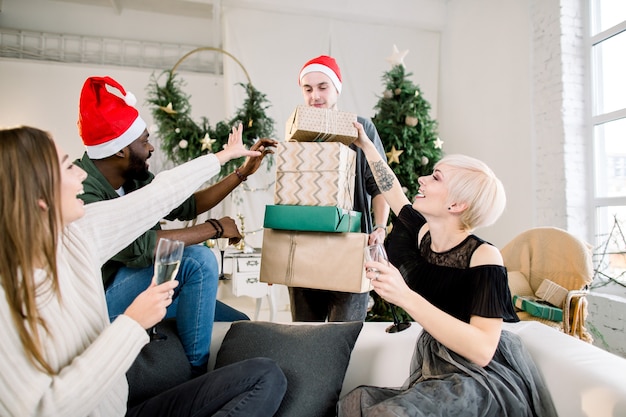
point(89, 354)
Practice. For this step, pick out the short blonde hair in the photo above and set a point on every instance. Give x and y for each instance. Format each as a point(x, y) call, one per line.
point(472, 182)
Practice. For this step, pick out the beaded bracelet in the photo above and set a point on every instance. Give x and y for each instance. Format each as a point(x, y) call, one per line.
point(240, 175)
point(219, 230)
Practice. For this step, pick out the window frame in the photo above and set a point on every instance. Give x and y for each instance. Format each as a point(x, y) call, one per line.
point(598, 202)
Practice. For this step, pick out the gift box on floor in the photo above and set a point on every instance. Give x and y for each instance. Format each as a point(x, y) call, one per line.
point(314, 174)
point(327, 261)
point(311, 218)
point(313, 124)
point(538, 308)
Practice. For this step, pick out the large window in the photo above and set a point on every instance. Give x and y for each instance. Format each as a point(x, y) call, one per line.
point(608, 75)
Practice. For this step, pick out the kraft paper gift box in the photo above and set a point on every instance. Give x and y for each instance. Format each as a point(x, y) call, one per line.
point(314, 174)
point(538, 308)
point(312, 219)
point(313, 124)
point(327, 261)
point(551, 292)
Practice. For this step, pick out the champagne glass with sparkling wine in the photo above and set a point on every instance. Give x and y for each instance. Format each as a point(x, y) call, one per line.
point(377, 253)
point(167, 260)
point(222, 244)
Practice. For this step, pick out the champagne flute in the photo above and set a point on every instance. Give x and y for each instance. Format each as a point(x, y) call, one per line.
point(166, 264)
point(377, 253)
point(222, 244)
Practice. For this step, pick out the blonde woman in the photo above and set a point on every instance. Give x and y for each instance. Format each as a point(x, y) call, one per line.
point(454, 285)
point(60, 355)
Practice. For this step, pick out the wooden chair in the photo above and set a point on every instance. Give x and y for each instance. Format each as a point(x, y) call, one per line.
point(555, 254)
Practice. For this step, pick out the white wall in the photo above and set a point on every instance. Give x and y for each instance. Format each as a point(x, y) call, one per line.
point(71, 18)
point(45, 95)
point(485, 98)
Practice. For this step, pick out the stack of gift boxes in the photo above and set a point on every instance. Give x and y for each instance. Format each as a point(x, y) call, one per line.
point(547, 303)
point(312, 238)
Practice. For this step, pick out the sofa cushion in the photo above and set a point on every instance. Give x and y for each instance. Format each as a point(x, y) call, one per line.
point(314, 358)
point(161, 365)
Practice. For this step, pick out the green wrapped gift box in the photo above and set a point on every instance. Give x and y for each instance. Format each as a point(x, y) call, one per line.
point(538, 308)
point(312, 218)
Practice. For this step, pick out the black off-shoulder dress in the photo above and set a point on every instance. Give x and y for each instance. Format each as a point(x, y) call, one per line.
point(443, 383)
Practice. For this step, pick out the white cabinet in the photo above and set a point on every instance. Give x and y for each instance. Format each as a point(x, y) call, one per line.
point(243, 270)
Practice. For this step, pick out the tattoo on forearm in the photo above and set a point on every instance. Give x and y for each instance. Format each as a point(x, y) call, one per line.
point(383, 177)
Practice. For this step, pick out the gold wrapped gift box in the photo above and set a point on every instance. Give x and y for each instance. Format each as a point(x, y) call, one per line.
point(314, 174)
point(327, 261)
point(313, 124)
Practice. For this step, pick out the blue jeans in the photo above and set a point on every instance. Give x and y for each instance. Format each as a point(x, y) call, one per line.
point(250, 388)
point(193, 304)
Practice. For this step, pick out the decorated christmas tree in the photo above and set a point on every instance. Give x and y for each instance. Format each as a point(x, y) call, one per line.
point(405, 126)
point(409, 136)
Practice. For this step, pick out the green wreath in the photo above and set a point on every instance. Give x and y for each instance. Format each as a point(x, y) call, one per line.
point(182, 139)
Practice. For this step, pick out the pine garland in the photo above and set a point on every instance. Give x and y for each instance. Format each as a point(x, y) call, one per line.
point(182, 139)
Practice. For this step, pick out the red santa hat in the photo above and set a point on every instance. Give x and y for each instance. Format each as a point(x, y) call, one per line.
point(107, 122)
point(324, 64)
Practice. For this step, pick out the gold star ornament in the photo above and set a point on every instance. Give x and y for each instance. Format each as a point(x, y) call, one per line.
point(394, 155)
point(207, 142)
point(438, 143)
point(168, 109)
point(397, 58)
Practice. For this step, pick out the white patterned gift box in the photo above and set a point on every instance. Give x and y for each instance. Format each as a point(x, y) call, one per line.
point(315, 174)
point(313, 124)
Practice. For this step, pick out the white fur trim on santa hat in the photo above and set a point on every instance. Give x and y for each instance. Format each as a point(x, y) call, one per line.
point(325, 70)
point(113, 146)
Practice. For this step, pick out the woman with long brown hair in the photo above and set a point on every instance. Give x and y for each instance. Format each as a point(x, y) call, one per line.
point(59, 354)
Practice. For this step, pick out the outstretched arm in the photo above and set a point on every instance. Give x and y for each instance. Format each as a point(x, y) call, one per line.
point(235, 148)
point(385, 178)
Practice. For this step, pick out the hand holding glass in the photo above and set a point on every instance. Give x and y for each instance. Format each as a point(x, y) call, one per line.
point(167, 260)
point(377, 253)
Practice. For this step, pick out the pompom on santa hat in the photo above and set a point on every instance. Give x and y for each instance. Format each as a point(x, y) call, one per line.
point(324, 64)
point(107, 122)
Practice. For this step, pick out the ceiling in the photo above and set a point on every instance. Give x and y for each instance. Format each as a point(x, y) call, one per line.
point(190, 8)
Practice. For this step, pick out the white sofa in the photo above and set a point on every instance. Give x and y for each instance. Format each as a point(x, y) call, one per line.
point(584, 381)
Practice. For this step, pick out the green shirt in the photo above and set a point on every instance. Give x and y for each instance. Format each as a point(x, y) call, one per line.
point(140, 253)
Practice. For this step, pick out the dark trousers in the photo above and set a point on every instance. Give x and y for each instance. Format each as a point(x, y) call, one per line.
point(250, 388)
point(321, 305)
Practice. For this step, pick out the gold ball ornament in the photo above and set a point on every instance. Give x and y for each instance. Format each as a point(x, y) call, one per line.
point(183, 144)
point(397, 91)
point(388, 94)
point(425, 160)
point(410, 121)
